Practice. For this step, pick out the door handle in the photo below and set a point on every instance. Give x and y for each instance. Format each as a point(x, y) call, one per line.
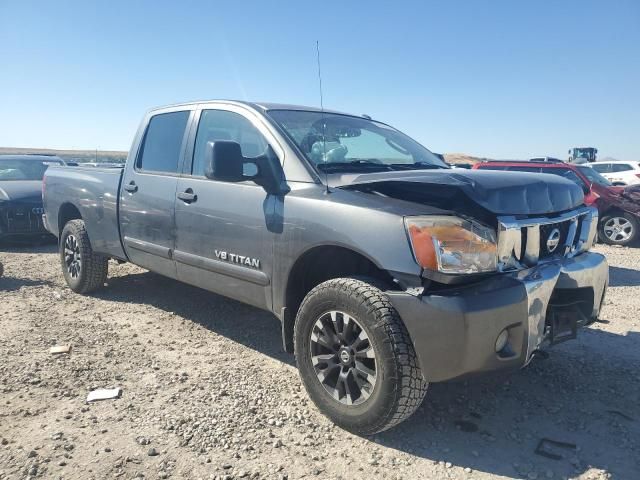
point(188, 196)
point(131, 187)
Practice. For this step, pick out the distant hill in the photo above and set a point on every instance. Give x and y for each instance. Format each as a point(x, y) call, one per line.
point(458, 158)
point(80, 156)
point(117, 156)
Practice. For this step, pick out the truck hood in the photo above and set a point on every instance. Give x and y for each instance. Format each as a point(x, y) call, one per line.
point(498, 192)
point(21, 190)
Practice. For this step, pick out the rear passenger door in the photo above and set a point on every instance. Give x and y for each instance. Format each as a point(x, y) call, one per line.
point(148, 192)
point(222, 241)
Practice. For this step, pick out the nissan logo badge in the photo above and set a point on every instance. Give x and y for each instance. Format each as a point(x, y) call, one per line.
point(553, 240)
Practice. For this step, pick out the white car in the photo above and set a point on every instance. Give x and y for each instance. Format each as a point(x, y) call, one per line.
point(618, 172)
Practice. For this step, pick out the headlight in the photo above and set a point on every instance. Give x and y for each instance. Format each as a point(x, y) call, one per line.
point(452, 245)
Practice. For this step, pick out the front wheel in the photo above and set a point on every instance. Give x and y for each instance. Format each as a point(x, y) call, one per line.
point(355, 357)
point(619, 229)
point(83, 270)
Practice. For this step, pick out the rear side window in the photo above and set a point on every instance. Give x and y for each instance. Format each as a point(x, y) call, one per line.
point(163, 142)
point(218, 125)
point(621, 167)
point(602, 167)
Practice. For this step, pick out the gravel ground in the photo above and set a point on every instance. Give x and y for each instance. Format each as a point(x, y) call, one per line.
point(209, 393)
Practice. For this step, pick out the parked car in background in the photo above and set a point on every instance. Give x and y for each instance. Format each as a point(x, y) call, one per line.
point(21, 195)
point(619, 209)
point(545, 159)
point(619, 172)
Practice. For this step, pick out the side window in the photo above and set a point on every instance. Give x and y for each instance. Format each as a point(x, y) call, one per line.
point(222, 125)
point(566, 173)
point(162, 143)
point(602, 167)
point(621, 167)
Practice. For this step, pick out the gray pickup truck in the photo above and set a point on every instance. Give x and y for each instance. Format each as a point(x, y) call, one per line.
point(387, 269)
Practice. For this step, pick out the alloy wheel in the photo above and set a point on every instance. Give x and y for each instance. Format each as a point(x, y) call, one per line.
point(343, 357)
point(72, 256)
point(618, 229)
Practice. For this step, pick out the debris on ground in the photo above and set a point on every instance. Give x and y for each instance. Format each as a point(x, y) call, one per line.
point(104, 394)
point(59, 349)
point(551, 448)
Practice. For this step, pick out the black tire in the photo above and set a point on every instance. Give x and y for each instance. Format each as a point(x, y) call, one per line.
point(627, 236)
point(90, 273)
point(1, 270)
point(399, 387)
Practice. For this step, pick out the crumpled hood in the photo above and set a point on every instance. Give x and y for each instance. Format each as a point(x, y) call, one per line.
point(21, 190)
point(502, 193)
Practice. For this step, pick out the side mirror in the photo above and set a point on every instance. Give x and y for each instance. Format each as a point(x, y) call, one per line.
point(224, 162)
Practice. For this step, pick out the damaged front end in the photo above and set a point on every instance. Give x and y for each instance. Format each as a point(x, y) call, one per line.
point(542, 286)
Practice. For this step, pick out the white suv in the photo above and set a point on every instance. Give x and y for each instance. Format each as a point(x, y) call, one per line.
point(619, 172)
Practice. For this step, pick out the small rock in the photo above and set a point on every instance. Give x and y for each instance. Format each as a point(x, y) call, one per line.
point(32, 454)
point(152, 452)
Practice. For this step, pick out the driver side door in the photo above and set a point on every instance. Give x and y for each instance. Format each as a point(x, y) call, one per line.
point(222, 242)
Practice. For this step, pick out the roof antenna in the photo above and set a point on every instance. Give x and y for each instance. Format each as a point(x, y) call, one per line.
point(324, 139)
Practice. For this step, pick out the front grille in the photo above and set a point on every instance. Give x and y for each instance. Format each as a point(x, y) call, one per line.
point(17, 219)
point(526, 242)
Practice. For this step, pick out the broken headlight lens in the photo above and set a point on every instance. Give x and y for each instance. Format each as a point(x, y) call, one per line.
point(452, 245)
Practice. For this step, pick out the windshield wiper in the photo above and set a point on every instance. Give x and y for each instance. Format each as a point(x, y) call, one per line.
point(417, 166)
point(354, 165)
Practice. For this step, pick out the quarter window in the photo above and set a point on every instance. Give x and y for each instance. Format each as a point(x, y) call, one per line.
point(216, 125)
point(163, 142)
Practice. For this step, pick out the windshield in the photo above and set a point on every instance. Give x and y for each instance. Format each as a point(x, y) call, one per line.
point(24, 169)
point(594, 176)
point(343, 143)
point(587, 153)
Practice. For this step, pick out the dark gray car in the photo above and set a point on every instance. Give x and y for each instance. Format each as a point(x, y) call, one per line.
point(387, 269)
point(21, 195)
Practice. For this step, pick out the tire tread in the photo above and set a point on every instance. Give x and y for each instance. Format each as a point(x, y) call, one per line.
point(410, 386)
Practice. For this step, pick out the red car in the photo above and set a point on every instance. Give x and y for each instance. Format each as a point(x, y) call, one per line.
point(619, 207)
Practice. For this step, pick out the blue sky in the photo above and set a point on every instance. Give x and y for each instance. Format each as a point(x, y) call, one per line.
point(504, 79)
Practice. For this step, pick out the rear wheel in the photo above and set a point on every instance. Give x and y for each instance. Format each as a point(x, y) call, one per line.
point(619, 229)
point(355, 356)
point(83, 270)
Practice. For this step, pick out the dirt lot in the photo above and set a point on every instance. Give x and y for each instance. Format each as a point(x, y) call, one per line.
point(209, 393)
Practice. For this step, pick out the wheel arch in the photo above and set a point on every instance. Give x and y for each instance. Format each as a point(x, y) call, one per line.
point(68, 211)
point(319, 264)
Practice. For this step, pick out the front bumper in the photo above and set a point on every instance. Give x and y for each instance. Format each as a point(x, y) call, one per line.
point(454, 332)
point(21, 219)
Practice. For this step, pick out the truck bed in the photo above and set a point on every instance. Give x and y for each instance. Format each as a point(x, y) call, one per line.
point(94, 193)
